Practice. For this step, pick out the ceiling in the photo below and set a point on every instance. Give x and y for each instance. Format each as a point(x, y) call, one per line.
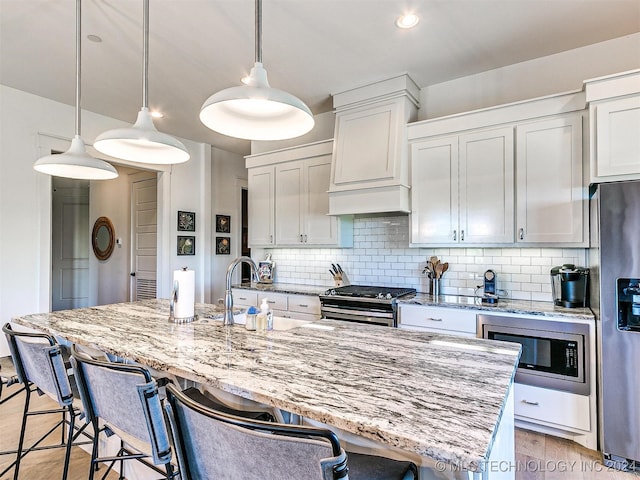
point(311, 48)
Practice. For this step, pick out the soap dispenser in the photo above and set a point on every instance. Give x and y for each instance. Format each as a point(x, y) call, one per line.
point(264, 320)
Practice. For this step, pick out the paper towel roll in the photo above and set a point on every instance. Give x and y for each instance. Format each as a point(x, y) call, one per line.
point(184, 306)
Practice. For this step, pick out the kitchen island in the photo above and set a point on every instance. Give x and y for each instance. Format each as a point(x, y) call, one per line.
point(444, 400)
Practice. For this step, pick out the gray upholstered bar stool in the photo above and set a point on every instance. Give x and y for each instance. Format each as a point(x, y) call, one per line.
point(123, 399)
point(40, 368)
point(211, 444)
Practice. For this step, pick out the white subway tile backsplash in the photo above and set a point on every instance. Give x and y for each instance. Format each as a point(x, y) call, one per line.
point(381, 256)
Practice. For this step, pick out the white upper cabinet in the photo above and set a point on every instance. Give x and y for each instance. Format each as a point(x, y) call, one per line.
point(292, 183)
point(614, 108)
point(261, 198)
point(551, 198)
point(370, 166)
point(501, 176)
point(462, 189)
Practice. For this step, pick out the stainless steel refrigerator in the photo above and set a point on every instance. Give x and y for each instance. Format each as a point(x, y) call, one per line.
point(615, 260)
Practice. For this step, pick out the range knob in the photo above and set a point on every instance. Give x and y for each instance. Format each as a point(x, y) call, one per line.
point(332, 292)
point(380, 296)
point(388, 296)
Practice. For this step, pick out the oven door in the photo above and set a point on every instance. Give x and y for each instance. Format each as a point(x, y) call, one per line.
point(554, 354)
point(360, 315)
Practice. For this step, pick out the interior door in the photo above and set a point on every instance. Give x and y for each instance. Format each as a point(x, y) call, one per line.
point(144, 234)
point(70, 240)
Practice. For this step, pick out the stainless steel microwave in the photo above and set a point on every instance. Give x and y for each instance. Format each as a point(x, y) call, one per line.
point(555, 354)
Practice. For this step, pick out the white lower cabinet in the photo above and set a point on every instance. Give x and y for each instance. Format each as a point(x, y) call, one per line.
point(560, 409)
point(453, 321)
point(301, 307)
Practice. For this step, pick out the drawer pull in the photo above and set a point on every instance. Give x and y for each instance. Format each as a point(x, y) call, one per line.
point(434, 319)
point(271, 301)
point(242, 298)
point(303, 305)
point(535, 404)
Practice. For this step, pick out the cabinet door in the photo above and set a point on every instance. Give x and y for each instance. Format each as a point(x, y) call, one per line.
point(365, 149)
point(434, 191)
point(618, 137)
point(550, 192)
point(486, 183)
point(319, 227)
point(289, 199)
point(261, 205)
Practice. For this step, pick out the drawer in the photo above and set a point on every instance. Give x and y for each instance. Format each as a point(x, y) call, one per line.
point(276, 301)
point(304, 304)
point(244, 298)
point(435, 319)
point(552, 406)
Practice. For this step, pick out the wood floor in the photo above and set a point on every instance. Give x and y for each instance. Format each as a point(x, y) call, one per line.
point(538, 457)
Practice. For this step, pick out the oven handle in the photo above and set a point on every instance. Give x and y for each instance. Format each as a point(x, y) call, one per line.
point(357, 313)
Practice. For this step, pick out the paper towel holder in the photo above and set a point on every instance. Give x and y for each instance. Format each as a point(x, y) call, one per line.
point(174, 297)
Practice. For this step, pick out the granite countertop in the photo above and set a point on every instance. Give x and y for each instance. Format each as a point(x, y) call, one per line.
point(504, 305)
point(292, 288)
point(436, 395)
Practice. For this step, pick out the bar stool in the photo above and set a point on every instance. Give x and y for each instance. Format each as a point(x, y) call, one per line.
point(124, 398)
point(211, 444)
point(40, 367)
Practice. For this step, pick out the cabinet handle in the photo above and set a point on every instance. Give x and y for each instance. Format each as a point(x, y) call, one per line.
point(270, 238)
point(242, 298)
point(300, 238)
point(535, 404)
point(434, 319)
point(303, 305)
point(454, 235)
point(305, 238)
point(462, 235)
point(521, 233)
point(271, 301)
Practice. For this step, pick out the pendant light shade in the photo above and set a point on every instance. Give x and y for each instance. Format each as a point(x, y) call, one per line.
point(142, 142)
point(256, 111)
point(76, 162)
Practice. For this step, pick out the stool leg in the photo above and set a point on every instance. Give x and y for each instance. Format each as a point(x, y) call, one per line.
point(67, 455)
point(94, 450)
point(22, 432)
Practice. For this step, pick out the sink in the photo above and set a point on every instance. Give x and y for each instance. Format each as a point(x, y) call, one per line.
point(279, 323)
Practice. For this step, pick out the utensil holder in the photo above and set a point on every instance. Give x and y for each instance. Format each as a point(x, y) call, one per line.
point(435, 287)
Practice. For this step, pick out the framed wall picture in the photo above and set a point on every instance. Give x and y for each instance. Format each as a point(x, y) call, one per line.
point(223, 245)
point(186, 245)
point(186, 221)
point(223, 223)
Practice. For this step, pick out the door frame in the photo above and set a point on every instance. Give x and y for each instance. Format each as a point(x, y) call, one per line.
point(45, 144)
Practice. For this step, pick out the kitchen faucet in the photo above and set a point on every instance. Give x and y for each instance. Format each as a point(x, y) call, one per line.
point(228, 298)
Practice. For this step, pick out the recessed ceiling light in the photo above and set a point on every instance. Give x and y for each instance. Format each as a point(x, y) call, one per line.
point(156, 114)
point(94, 38)
point(408, 20)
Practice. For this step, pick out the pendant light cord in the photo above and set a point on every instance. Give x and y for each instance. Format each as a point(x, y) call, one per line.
point(78, 57)
point(145, 56)
point(259, 31)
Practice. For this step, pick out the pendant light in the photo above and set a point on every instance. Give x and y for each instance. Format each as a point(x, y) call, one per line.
point(76, 162)
point(142, 142)
point(256, 111)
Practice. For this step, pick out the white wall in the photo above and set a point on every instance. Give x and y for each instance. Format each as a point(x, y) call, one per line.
point(28, 126)
point(228, 176)
point(557, 73)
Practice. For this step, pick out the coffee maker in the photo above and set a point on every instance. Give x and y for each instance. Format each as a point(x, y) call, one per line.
point(569, 286)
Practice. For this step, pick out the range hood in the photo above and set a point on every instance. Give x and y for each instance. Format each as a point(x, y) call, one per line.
point(370, 162)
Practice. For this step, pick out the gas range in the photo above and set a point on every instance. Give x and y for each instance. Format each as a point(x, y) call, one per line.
point(369, 292)
point(363, 304)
